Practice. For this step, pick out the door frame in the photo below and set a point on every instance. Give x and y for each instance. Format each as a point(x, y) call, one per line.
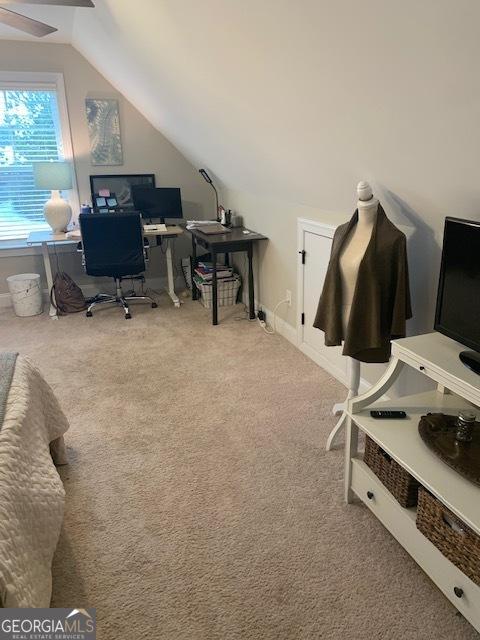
point(327, 231)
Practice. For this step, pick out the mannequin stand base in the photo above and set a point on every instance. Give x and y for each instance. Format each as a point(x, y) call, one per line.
point(341, 407)
point(336, 429)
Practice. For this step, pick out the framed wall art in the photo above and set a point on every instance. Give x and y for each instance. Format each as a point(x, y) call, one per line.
point(103, 120)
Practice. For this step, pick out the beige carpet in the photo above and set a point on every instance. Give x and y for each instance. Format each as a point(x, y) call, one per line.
point(201, 504)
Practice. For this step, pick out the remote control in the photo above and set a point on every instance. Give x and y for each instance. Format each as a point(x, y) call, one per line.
point(388, 415)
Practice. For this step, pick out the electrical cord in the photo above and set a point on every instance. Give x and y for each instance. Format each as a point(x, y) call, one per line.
point(271, 331)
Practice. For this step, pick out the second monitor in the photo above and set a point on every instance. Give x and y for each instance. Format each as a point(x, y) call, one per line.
point(158, 203)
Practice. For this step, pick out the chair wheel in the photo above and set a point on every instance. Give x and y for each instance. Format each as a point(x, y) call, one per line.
point(154, 305)
point(89, 314)
point(127, 316)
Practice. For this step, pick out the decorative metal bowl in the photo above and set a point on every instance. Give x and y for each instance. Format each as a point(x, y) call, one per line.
point(438, 431)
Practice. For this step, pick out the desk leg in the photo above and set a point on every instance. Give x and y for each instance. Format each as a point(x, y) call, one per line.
point(193, 264)
point(214, 289)
point(171, 286)
point(48, 272)
point(251, 292)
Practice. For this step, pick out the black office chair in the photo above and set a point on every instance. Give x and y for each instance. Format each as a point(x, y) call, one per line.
point(113, 246)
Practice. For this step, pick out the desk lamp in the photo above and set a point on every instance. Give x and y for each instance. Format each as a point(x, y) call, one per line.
point(210, 182)
point(55, 176)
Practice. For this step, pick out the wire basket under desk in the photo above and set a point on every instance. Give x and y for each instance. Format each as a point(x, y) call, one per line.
point(227, 291)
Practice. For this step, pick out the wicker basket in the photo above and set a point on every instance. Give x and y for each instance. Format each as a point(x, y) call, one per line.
point(227, 291)
point(398, 481)
point(449, 534)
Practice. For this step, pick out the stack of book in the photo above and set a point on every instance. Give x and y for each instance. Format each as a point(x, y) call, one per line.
point(204, 271)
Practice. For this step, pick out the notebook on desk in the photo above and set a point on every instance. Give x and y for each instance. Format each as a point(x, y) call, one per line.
point(210, 229)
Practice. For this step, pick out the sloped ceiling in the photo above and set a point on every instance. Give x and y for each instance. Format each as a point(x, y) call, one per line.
point(292, 98)
point(298, 99)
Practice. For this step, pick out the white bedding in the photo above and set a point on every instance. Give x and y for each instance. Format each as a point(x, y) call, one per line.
point(31, 491)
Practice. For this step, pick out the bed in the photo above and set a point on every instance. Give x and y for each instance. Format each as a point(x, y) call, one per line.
point(32, 496)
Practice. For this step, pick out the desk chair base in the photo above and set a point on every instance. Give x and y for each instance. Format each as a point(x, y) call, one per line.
point(120, 299)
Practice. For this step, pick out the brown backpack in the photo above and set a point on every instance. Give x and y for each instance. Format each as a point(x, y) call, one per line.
point(66, 296)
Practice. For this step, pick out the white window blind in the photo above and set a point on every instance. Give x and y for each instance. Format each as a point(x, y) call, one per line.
point(29, 132)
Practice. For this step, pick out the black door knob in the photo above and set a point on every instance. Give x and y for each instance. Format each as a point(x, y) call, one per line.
point(370, 495)
point(458, 592)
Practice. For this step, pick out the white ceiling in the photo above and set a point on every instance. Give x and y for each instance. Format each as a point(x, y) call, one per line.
point(60, 17)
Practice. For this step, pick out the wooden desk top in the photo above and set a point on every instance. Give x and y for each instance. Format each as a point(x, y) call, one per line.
point(236, 235)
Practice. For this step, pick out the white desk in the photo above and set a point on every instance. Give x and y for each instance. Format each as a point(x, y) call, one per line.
point(46, 238)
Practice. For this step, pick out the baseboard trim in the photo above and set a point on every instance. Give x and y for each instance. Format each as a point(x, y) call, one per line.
point(323, 362)
point(330, 368)
point(281, 326)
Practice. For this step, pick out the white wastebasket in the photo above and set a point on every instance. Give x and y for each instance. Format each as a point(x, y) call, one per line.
point(26, 294)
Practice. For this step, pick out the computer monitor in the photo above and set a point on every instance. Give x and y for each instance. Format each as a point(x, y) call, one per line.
point(157, 203)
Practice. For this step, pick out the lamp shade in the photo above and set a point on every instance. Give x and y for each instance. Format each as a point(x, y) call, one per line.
point(52, 175)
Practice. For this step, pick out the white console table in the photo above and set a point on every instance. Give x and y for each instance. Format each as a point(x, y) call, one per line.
point(436, 357)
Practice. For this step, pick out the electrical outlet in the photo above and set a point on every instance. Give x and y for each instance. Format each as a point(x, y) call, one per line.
point(288, 297)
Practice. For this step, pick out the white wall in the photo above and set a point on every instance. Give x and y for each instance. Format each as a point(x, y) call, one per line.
point(145, 149)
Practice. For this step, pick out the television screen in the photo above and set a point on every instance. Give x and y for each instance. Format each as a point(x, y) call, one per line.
point(458, 300)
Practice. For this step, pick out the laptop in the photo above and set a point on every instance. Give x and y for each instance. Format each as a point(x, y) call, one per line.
point(211, 229)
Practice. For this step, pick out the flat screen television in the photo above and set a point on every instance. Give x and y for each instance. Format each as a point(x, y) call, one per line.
point(458, 299)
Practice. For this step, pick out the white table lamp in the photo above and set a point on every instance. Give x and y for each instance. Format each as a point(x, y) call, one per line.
point(55, 176)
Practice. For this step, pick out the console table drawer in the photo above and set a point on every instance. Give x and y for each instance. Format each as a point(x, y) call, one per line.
point(437, 357)
point(456, 586)
point(425, 367)
point(372, 492)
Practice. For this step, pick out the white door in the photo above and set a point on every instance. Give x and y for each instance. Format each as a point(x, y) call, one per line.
point(316, 241)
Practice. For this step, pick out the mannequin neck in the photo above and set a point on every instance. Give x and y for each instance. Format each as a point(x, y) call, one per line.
point(367, 213)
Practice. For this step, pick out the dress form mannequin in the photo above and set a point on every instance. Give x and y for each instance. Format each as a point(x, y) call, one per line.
point(350, 259)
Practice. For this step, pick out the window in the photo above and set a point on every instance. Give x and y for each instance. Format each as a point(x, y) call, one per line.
point(30, 131)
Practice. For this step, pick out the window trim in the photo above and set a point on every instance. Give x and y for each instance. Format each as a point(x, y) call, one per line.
point(37, 79)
